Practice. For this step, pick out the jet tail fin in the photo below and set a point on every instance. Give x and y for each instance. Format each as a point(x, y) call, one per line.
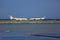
point(11, 17)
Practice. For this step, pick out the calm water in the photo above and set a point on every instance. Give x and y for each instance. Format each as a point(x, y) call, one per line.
point(24, 31)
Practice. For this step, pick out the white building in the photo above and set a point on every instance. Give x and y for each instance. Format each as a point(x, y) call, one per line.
point(11, 17)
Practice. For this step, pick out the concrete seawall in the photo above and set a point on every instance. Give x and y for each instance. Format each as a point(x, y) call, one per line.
point(30, 21)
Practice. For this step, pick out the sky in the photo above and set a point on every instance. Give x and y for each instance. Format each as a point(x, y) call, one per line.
point(30, 8)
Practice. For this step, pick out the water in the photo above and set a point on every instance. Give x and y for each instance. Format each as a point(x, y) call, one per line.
point(24, 31)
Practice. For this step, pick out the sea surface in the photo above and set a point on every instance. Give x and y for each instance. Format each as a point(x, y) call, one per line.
point(24, 31)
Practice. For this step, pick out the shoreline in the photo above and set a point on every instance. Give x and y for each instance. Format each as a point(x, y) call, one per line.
point(29, 21)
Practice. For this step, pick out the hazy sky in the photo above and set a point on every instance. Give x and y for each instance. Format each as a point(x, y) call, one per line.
point(30, 8)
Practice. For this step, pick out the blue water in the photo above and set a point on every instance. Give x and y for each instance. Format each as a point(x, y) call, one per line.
point(24, 31)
